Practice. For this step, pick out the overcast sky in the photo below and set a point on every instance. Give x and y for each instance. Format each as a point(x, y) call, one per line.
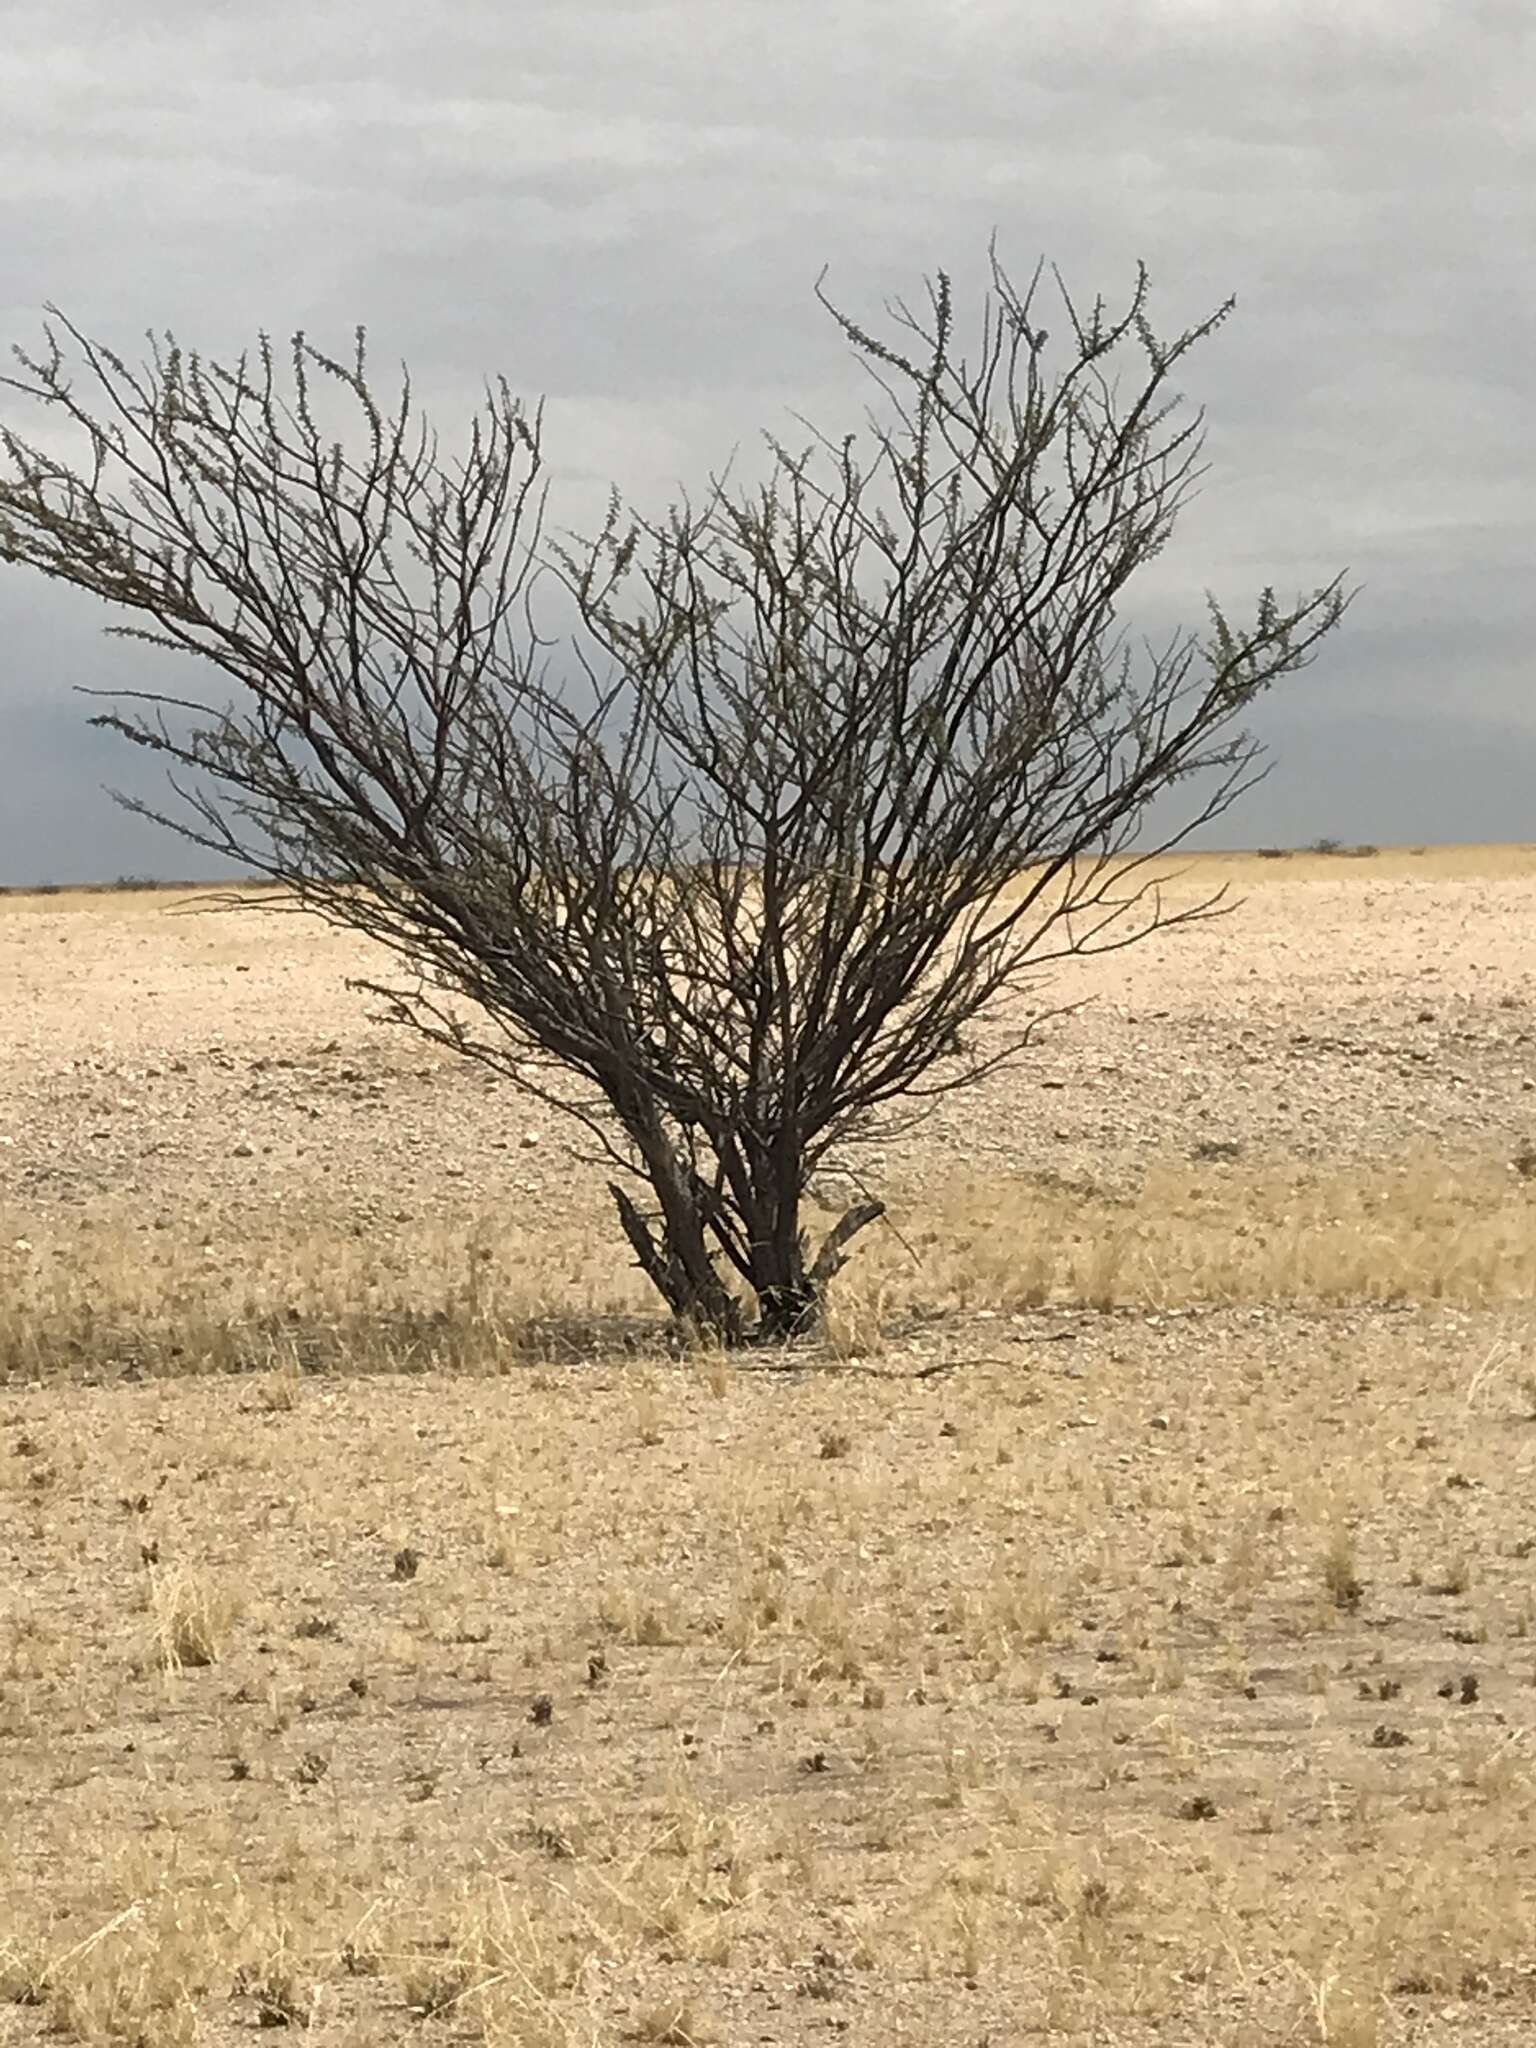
point(624, 207)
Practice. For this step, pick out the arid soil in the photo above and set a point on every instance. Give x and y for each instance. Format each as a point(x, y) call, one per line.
point(1345, 1009)
point(1119, 1632)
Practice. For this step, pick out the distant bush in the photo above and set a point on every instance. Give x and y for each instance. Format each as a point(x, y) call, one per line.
point(1274, 853)
point(1216, 1150)
point(127, 885)
point(1337, 846)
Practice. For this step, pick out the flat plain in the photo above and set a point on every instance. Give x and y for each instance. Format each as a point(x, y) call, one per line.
point(1122, 1630)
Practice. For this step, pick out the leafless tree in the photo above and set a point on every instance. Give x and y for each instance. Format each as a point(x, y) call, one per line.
point(817, 772)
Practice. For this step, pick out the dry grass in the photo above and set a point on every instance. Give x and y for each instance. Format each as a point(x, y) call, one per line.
point(1094, 1682)
point(1122, 1632)
point(478, 1296)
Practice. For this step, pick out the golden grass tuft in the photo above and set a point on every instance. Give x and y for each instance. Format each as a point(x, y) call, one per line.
point(190, 1618)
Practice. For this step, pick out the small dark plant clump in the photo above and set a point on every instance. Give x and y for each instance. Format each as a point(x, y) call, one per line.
point(823, 1981)
point(1344, 1586)
point(278, 1999)
point(1415, 1985)
point(435, 1992)
point(1383, 1689)
point(1217, 1150)
point(1452, 1587)
point(553, 1841)
point(318, 1628)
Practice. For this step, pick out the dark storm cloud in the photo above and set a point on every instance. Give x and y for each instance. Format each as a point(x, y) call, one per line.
point(624, 206)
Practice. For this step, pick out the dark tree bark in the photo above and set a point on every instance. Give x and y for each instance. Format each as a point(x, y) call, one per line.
point(835, 763)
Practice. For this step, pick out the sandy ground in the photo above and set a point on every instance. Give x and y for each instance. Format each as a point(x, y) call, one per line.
point(170, 1058)
point(1154, 1672)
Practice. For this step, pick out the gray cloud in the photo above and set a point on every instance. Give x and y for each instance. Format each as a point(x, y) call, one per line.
point(625, 205)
